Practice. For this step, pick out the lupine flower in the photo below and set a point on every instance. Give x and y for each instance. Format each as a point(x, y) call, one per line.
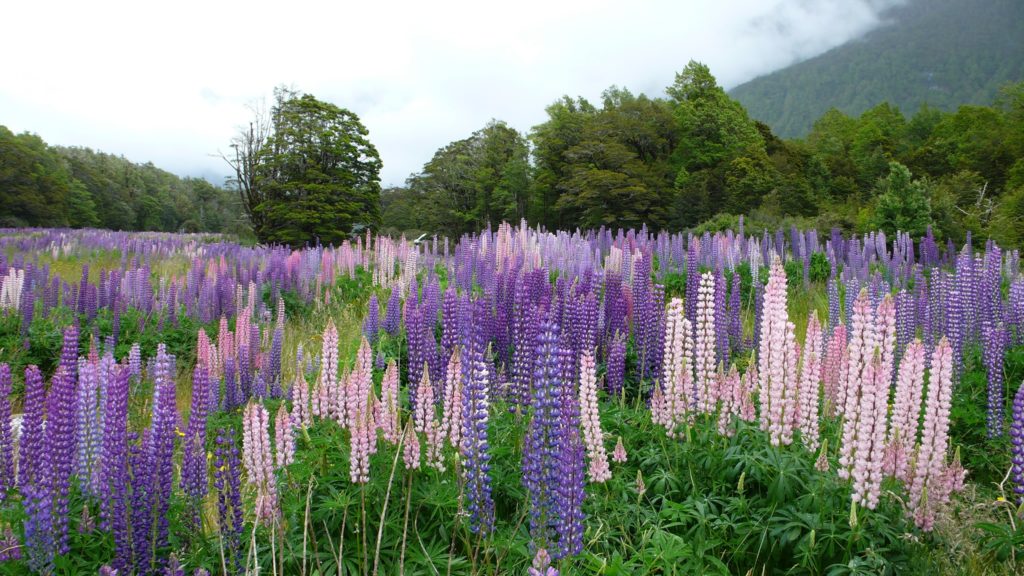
point(227, 481)
point(10, 547)
point(259, 464)
point(593, 436)
point(60, 433)
point(1017, 445)
point(284, 438)
point(706, 356)
point(87, 430)
point(868, 454)
point(371, 325)
point(616, 367)
point(730, 400)
point(810, 372)
point(777, 388)
point(390, 414)
point(393, 313)
point(114, 501)
point(193, 462)
point(328, 391)
point(542, 565)
point(677, 383)
point(362, 434)
point(6, 444)
point(475, 410)
point(995, 343)
point(860, 346)
point(927, 490)
point(424, 409)
point(451, 418)
point(832, 370)
point(906, 412)
point(411, 448)
point(301, 416)
point(619, 454)
point(821, 464)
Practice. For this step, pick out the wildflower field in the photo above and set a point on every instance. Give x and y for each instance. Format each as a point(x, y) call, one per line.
point(515, 402)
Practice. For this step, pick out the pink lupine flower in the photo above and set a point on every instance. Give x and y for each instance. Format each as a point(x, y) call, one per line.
point(425, 411)
point(821, 464)
point(326, 400)
point(860, 348)
point(810, 371)
point(679, 389)
point(730, 394)
point(411, 449)
point(832, 369)
point(451, 419)
point(359, 382)
point(906, 412)
point(748, 385)
point(619, 454)
point(705, 355)
point(777, 387)
point(284, 438)
point(360, 430)
point(542, 565)
point(256, 457)
point(390, 414)
point(885, 322)
point(593, 437)
point(435, 446)
point(929, 488)
point(301, 415)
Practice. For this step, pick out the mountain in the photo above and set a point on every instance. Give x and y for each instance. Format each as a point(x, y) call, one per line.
point(943, 53)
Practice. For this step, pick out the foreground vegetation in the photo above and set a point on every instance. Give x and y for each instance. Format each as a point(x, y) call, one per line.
point(215, 419)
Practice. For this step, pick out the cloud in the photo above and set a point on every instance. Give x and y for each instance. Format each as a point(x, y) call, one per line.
point(170, 82)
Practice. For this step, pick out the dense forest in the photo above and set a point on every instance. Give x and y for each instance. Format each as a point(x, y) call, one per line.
point(42, 185)
point(943, 53)
point(694, 159)
point(697, 159)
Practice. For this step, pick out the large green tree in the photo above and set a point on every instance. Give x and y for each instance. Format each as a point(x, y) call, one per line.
point(307, 173)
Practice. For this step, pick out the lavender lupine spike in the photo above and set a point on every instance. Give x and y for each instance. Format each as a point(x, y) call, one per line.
point(1017, 446)
point(60, 434)
point(34, 475)
point(995, 341)
point(721, 320)
point(616, 367)
point(475, 408)
point(193, 461)
point(736, 315)
point(228, 483)
point(6, 444)
point(114, 500)
point(87, 430)
point(371, 325)
point(393, 313)
point(272, 373)
point(159, 455)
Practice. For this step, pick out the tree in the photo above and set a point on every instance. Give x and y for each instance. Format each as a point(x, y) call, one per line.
point(903, 205)
point(308, 174)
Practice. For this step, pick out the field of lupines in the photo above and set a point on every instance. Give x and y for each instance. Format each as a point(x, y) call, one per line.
point(518, 402)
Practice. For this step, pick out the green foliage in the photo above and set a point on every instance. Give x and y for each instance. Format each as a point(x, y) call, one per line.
point(318, 174)
point(902, 204)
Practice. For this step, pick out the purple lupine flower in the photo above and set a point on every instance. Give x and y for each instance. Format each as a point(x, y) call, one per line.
point(735, 315)
point(227, 481)
point(135, 362)
point(87, 431)
point(193, 461)
point(475, 407)
point(616, 375)
point(1017, 445)
point(371, 325)
point(114, 467)
point(1015, 309)
point(449, 322)
point(6, 446)
point(34, 475)
point(995, 342)
point(721, 320)
point(692, 279)
point(60, 434)
point(272, 371)
point(393, 313)
point(151, 523)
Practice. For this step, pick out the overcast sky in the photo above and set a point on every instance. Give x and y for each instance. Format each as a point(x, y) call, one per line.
point(170, 82)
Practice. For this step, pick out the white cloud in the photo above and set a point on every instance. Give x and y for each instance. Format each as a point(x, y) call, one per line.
point(169, 83)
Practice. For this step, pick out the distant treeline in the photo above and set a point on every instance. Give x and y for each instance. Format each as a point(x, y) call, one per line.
point(42, 185)
point(697, 159)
